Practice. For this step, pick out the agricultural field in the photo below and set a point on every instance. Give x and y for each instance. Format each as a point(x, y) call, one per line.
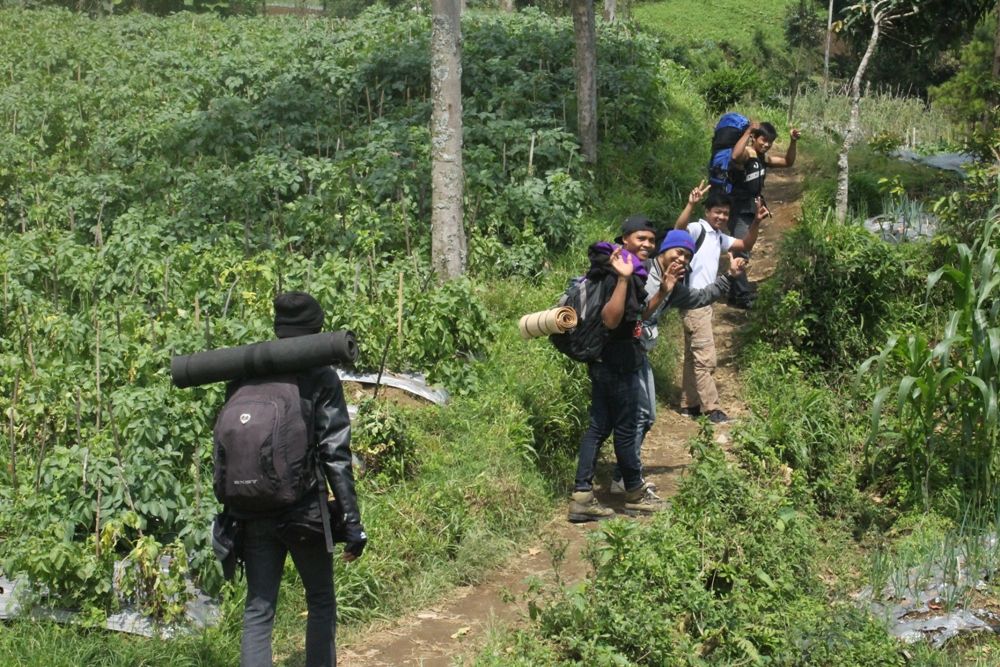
point(740, 24)
point(162, 177)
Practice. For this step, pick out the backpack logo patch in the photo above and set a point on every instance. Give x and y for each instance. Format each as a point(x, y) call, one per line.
point(245, 417)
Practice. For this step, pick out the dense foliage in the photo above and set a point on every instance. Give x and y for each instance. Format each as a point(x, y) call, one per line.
point(162, 178)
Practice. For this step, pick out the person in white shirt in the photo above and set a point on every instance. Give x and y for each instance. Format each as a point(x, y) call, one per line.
point(700, 396)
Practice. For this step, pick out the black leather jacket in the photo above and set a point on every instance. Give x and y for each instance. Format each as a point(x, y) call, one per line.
point(332, 427)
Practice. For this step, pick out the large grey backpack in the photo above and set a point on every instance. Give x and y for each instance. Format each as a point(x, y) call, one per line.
point(262, 453)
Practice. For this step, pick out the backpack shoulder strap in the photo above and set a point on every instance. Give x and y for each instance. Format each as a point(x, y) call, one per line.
point(700, 239)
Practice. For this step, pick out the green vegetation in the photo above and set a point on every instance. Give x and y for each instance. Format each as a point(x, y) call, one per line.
point(737, 24)
point(163, 177)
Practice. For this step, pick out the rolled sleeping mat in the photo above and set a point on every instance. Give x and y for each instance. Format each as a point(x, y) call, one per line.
point(274, 357)
point(546, 322)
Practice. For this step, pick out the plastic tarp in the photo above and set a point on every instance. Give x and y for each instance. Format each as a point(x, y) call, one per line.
point(201, 612)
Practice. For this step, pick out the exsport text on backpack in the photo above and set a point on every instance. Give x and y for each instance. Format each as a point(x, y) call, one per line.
point(728, 130)
point(262, 454)
point(587, 339)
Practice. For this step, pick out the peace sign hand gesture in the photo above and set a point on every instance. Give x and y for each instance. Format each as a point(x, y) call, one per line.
point(698, 192)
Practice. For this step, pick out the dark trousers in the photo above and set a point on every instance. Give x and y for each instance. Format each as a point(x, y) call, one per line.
point(614, 405)
point(645, 412)
point(264, 553)
point(739, 225)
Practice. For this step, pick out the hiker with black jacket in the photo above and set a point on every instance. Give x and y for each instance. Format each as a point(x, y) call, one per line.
point(267, 537)
point(748, 167)
point(614, 379)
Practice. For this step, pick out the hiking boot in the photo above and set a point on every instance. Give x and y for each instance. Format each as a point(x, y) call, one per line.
point(584, 507)
point(692, 411)
point(617, 487)
point(718, 417)
point(643, 500)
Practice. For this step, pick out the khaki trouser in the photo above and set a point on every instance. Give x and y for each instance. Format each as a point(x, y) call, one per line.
point(699, 360)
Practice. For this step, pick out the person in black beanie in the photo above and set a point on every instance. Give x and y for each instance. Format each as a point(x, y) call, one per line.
point(267, 539)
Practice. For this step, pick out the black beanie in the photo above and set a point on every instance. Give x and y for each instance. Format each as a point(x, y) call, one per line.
point(297, 314)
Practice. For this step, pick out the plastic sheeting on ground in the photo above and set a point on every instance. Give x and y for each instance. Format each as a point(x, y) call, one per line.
point(920, 611)
point(955, 162)
point(899, 227)
point(201, 612)
point(411, 383)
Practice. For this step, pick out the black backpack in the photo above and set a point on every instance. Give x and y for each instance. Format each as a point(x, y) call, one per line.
point(263, 460)
point(585, 341)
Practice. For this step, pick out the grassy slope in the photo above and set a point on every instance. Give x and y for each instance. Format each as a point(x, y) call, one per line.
point(695, 22)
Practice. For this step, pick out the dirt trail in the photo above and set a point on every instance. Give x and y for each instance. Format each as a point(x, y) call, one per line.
point(458, 624)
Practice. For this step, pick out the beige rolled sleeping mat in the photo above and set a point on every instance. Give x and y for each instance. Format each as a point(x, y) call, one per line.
point(554, 320)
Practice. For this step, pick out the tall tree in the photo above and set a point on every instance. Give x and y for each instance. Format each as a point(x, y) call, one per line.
point(610, 10)
point(826, 52)
point(448, 243)
point(995, 98)
point(585, 62)
point(918, 54)
point(883, 13)
point(508, 5)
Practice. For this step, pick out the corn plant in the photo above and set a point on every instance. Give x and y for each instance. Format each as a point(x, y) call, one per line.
point(946, 399)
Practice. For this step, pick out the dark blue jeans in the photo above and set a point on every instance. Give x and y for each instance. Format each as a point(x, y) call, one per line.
point(645, 412)
point(614, 404)
point(739, 225)
point(264, 553)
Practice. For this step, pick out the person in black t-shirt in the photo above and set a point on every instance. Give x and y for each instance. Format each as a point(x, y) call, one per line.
point(615, 385)
point(750, 162)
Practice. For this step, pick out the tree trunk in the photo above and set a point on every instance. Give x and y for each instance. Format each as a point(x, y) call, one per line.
point(448, 244)
point(826, 53)
point(610, 10)
point(852, 126)
point(796, 82)
point(996, 71)
point(585, 62)
point(508, 6)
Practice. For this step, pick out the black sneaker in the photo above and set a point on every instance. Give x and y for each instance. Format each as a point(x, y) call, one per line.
point(693, 412)
point(718, 417)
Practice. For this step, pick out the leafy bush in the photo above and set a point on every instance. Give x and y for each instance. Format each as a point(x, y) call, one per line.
point(727, 576)
point(837, 290)
point(803, 434)
point(379, 439)
point(725, 87)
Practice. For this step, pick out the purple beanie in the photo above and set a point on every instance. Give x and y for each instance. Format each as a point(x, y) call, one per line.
point(677, 238)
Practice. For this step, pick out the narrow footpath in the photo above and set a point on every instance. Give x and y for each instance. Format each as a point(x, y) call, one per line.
point(457, 625)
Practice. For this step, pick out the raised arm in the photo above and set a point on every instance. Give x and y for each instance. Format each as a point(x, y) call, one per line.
point(747, 242)
point(686, 298)
point(789, 158)
point(614, 309)
point(656, 301)
point(739, 155)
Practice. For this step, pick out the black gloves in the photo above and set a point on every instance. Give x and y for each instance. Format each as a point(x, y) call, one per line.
point(356, 538)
